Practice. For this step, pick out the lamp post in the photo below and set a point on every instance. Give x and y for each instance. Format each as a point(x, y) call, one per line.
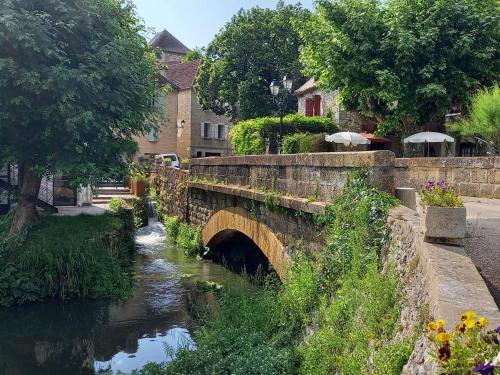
point(279, 97)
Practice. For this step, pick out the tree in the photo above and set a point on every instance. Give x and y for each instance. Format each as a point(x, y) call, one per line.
point(195, 54)
point(484, 119)
point(404, 62)
point(255, 47)
point(76, 79)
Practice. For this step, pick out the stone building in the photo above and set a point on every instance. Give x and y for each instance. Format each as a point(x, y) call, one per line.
point(184, 127)
point(316, 102)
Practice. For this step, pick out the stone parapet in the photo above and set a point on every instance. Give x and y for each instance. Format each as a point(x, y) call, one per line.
point(473, 176)
point(171, 187)
point(322, 175)
point(437, 282)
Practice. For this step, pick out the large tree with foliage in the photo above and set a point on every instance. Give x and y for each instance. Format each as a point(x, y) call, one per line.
point(76, 78)
point(405, 62)
point(255, 47)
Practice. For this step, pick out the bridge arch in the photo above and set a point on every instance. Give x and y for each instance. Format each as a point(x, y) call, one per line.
point(239, 220)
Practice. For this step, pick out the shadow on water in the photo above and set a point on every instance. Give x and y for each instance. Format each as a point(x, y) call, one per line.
point(89, 337)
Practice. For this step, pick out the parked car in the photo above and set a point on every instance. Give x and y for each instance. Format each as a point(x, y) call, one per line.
point(168, 159)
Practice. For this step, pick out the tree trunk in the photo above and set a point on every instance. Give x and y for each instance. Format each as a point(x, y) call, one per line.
point(26, 211)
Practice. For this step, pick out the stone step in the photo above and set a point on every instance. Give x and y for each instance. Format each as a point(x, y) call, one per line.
point(112, 191)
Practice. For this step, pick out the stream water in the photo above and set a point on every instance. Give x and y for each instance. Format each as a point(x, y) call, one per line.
point(103, 337)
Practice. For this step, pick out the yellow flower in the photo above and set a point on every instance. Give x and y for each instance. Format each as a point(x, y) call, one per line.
point(432, 326)
point(443, 337)
point(440, 323)
point(469, 324)
point(482, 322)
point(468, 315)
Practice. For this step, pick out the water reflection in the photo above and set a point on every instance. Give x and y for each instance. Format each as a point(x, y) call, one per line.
point(94, 336)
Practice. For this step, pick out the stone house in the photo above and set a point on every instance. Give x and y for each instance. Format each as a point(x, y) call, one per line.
point(316, 102)
point(184, 128)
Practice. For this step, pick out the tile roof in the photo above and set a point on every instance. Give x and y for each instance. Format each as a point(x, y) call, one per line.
point(181, 76)
point(168, 43)
point(308, 86)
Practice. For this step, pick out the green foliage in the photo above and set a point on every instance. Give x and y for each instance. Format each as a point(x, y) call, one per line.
point(255, 47)
point(249, 137)
point(77, 79)
point(305, 142)
point(484, 118)
point(195, 54)
point(184, 235)
point(404, 62)
point(68, 257)
point(138, 206)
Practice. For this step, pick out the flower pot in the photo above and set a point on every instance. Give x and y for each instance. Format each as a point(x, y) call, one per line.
point(139, 188)
point(444, 224)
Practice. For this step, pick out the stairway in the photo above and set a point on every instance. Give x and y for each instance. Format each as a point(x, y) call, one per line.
point(108, 190)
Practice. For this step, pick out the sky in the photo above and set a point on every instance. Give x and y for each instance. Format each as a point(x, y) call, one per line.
point(195, 22)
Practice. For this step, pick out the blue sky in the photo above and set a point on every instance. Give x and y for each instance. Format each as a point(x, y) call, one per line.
point(195, 22)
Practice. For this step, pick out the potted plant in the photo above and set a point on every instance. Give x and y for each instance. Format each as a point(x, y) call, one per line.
point(443, 212)
point(139, 185)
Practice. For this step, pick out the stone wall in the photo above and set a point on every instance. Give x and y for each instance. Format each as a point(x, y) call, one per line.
point(474, 176)
point(171, 187)
point(436, 282)
point(321, 175)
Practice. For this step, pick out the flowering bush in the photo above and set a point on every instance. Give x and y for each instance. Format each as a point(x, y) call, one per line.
point(440, 194)
point(469, 349)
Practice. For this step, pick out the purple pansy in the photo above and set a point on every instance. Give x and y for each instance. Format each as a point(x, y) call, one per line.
point(485, 369)
point(497, 330)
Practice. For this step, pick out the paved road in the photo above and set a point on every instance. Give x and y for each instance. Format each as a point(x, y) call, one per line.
point(483, 240)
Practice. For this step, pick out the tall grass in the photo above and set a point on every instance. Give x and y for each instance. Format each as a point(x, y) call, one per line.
point(68, 257)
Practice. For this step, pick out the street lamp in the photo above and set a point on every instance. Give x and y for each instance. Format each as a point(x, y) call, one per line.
point(279, 97)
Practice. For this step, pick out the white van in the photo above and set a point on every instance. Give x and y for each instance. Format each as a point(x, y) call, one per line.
point(168, 159)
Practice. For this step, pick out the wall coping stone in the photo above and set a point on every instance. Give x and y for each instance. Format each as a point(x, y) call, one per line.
point(381, 158)
point(286, 201)
point(453, 282)
point(449, 162)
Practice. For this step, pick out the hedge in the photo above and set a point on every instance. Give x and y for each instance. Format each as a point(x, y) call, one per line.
point(251, 137)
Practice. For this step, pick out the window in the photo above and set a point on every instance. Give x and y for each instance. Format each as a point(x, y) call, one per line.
point(158, 103)
point(153, 135)
point(221, 131)
point(205, 130)
point(309, 107)
point(317, 105)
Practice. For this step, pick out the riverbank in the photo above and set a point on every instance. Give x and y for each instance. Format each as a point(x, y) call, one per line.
point(66, 258)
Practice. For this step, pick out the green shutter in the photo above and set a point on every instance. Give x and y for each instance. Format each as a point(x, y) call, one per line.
point(153, 135)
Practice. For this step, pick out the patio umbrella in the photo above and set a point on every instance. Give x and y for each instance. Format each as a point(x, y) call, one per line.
point(347, 138)
point(429, 137)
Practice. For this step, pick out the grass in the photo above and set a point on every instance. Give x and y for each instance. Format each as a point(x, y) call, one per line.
point(336, 311)
point(187, 237)
point(65, 258)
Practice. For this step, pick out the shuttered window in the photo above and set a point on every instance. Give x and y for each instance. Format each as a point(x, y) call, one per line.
point(206, 130)
point(317, 105)
point(309, 107)
point(153, 135)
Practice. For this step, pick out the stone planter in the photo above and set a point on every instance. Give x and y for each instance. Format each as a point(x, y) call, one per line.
point(444, 224)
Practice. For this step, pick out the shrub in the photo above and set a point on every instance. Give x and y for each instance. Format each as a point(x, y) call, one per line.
point(69, 257)
point(138, 206)
point(484, 118)
point(440, 194)
point(184, 235)
point(306, 142)
point(251, 136)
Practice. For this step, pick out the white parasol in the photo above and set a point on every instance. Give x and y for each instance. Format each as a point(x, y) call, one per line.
point(347, 138)
point(429, 137)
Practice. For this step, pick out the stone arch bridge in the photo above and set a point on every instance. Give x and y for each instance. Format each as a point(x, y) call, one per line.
point(271, 199)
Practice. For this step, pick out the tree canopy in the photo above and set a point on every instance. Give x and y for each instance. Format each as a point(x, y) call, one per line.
point(194, 54)
point(255, 47)
point(76, 79)
point(404, 62)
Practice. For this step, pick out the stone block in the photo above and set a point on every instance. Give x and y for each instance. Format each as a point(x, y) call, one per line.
point(407, 196)
point(468, 189)
point(460, 175)
point(445, 224)
point(487, 190)
point(479, 175)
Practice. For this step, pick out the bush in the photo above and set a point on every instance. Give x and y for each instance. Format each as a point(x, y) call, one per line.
point(250, 137)
point(184, 235)
point(138, 206)
point(306, 142)
point(69, 257)
point(484, 118)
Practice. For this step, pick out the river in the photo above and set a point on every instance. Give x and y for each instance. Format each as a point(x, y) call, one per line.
point(105, 337)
